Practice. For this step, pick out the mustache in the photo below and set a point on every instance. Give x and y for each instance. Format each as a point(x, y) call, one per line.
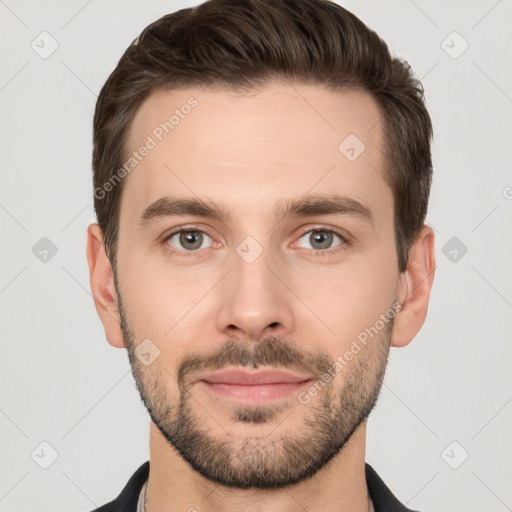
point(272, 351)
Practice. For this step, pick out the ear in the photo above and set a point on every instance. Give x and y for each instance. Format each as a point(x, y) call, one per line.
point(414, 289)
point(102, 286)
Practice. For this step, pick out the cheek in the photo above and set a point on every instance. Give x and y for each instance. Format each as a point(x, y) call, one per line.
point(347, 299)
point(161, 301)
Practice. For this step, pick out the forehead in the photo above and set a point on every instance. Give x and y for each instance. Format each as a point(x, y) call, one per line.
point(249, 149)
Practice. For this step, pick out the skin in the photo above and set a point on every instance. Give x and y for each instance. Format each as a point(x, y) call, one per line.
point(246, 153)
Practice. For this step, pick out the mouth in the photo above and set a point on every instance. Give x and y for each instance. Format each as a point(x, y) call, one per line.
point(263, 386)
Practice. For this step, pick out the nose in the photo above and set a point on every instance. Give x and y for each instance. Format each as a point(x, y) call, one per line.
point(255, 300)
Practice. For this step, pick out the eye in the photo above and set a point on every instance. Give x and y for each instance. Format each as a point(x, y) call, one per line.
point(187, 239)
point(321, 239)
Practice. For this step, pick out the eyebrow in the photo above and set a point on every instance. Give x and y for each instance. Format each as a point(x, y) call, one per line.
point(331, 204)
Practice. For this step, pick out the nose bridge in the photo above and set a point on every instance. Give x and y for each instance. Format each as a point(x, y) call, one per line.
point(251, 270)
point(254, 299)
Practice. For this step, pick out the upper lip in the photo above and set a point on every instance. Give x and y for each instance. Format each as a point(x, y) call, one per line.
point(242, 377)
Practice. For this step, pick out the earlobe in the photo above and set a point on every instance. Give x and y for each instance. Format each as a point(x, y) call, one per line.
point(102, 286)
point(414, 289)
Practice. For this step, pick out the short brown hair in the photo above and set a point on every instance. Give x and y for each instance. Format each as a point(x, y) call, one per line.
point(243, 44)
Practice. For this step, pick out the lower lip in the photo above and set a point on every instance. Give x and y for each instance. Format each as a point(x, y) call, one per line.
point(255, 393)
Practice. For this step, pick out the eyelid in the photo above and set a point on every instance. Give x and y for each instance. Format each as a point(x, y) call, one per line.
point(185, 228)
point(345, 238)
point(341, 233)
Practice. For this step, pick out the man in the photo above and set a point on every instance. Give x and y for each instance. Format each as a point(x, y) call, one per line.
point(261, 178)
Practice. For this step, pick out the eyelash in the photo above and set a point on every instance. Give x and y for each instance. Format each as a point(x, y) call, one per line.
point(316, 252)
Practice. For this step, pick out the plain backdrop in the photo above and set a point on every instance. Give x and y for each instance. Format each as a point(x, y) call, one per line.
point(440, 434)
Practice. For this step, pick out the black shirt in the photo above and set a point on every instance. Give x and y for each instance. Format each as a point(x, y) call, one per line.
point(383, 499)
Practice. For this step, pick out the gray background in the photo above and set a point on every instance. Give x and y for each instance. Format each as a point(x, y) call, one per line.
point(63, 384)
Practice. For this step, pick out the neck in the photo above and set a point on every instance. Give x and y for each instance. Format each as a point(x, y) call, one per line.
point(340, 486)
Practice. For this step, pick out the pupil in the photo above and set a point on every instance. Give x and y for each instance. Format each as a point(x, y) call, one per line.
point(188, 238)
point(322, 235)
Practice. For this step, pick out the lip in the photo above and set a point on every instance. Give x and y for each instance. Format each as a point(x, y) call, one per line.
point(254, 388)
point(244, 378)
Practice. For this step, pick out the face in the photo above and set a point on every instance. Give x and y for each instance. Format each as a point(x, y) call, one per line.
point(251, 238)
